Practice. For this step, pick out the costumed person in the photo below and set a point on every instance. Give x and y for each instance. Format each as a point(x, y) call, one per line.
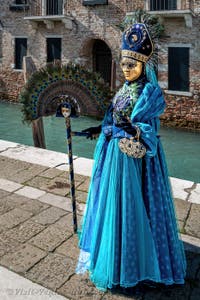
point(129, 233)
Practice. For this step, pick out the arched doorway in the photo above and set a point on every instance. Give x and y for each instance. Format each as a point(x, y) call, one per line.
point(102, 60)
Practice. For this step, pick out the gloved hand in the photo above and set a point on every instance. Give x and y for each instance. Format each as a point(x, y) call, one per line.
point(129, 129)
point(92, 132)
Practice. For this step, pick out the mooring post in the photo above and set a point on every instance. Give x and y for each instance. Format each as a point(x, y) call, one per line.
point(37, 125)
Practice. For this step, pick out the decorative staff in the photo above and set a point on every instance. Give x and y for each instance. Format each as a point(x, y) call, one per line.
point(64, 110)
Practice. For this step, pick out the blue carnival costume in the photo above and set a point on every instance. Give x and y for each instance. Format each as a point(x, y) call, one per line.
point(129, 231)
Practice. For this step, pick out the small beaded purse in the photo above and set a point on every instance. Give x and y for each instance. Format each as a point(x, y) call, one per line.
point(132, 146)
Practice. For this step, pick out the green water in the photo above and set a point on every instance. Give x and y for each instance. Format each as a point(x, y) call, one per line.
point(181, 147)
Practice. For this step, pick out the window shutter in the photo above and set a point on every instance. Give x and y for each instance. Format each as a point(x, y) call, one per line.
point(53, 49)
point(20, 51)
point(178, 69)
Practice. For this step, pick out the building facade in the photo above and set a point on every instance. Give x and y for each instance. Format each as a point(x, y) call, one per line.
point(88, 32)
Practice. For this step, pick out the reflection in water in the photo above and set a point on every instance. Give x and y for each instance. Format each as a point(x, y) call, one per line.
point(181, 146)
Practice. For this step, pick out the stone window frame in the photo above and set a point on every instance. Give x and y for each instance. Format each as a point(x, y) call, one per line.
point(172, 92)
point(14, 39)
point(59, 36)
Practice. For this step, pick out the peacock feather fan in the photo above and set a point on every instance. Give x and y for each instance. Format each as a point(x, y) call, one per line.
point(48, 86)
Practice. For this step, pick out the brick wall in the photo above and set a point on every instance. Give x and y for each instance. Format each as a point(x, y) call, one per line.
point(181, 111)
point(100, 22)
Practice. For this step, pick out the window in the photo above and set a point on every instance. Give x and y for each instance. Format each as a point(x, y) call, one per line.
point(20, 51)
point(19, 5)
point(163, 4)
point(178, 69)
point(54, 7)
point(53, 49)
point(21, 2)
point(94, 2)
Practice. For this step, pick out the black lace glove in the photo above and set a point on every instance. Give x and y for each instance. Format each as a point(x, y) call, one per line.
point(92, 132)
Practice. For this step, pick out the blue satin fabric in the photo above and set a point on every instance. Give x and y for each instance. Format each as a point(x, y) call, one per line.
point(129, 231)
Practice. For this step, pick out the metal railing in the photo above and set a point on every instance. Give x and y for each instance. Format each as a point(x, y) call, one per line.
point(45, 7)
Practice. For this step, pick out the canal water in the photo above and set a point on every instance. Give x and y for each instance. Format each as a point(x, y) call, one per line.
point(181, 147)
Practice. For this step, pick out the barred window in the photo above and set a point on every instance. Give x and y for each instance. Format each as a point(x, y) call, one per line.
point(163, 4)
point(54, 7)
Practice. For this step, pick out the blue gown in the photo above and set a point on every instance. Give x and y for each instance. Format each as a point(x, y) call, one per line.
point(129, 231)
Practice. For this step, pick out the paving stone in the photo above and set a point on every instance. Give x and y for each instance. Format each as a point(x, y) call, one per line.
point(3, 193)
point(66, 222)
point(11, 166)
point(22, 259)
point(50, 238)
point(181, 226)
point(9, 186)
point(195, 295)
point(85, 185)
point(11, 201)
point(154, 295)
point(51, 173)
point(5, 206)
point(193, 265)
point(7, 244)
point(24, 175)
point(191, 244)
point(81, 196)
point(59, 186)
point(13, 218)
point(38, 182)
point(80, 208)
point(192, 226)
point(179, 187)
point(195, 195)
point(34, 206)
point(58, 201)
point(83, 166)
point(53, 271)
point(120, 296)
point(181, 292)
point(182, 209)
point(78, 178)
point(69, 248)
point(30, 192)
point(80, 287)
point(24, 231)
point(49, 216)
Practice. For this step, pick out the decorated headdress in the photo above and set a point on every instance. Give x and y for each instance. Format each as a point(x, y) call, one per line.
point(141, 32)
point(137, 43)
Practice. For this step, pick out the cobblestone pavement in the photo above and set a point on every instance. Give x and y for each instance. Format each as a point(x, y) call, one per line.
point(37, 240)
